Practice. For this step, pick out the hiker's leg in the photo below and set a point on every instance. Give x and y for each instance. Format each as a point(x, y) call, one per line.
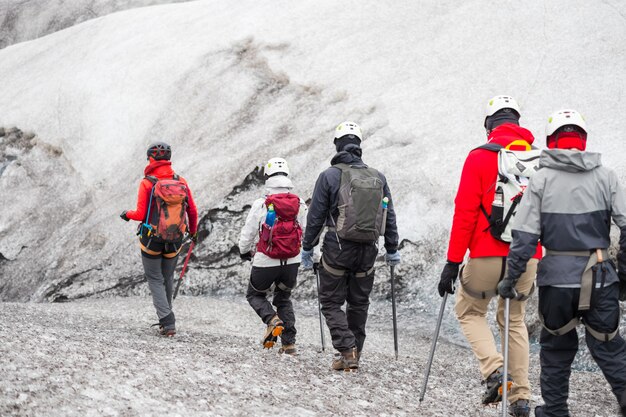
point(479, 275)
point(332, 297)
point(168, 265)
point(156, 283)
point(518, 335)
point(558, 306)
point(610, 356)
point(358, 298)
point(282, 301)
point(261, 280)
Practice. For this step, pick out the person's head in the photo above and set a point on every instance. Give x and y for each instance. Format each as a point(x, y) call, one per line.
point(276, 166)
point(566, 129)
point(500, 110)
point(159, 151)
point(347, 133)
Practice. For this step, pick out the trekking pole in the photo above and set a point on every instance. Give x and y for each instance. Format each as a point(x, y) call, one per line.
point(182, 273)
point(393, 309)
point(433, 345)
point(319, 305)
point(505, 376)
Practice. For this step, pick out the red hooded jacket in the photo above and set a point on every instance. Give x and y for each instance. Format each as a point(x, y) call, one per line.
point(470, 225)
point(161, 170)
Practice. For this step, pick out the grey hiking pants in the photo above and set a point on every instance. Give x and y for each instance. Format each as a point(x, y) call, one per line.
point(558, 306)
point(284, 279)
point(160, 275)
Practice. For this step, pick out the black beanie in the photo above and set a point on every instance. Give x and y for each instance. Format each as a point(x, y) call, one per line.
point(501, 117)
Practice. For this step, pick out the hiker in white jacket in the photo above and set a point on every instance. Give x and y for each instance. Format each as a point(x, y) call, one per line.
point(272, 270)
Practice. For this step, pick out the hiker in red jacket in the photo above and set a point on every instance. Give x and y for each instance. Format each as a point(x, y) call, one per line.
point(487, 260)
point(159, 251)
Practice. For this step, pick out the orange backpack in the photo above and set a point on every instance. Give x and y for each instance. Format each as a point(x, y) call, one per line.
point(167, 212)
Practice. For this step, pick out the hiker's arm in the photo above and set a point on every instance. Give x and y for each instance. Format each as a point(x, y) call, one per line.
point(250, 229)
point(318, 212)
point(466, 208)
point(618, 213)
point(192, 212)
point(391, 228)
point(143, 199)
point(526, 228)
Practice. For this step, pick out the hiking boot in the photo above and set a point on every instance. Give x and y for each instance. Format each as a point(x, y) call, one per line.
point(169, 331)
point(274, 329)
point(288, 349)
point(520, 408)
point(346, 361)
point(539, 411)
point(493, 391)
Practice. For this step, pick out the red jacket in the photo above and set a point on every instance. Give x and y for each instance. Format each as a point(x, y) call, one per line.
point(469, 225)
point(161, 169)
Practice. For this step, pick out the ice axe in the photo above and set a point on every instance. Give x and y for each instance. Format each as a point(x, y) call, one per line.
point(319, 305)
point(182, 273)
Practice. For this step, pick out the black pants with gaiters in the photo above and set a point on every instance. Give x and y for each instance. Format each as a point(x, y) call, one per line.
point(283, 279)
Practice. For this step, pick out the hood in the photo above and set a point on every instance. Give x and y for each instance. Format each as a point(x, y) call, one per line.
point(351, 154)
point(159, 169)
point(509, 132)
point(278, 184)
point(570, 161)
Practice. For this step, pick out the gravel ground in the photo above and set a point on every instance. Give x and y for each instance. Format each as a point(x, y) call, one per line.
point(100, 357)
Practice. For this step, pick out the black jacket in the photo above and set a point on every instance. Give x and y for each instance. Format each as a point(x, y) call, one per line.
point(324, 203)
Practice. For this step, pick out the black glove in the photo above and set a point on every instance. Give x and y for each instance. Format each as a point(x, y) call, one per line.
point(246, 256)
point(622, 286)
point(506, 288)
point(124, 216)
point(194, 237)
point(448, 276)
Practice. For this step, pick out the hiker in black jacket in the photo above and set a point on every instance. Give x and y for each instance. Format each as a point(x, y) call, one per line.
point(347, 264)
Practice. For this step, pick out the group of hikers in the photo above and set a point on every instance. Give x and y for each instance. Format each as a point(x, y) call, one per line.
point(521, 214)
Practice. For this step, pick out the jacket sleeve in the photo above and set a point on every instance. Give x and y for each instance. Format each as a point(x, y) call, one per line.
point(526, 228)
point(302, 214)
point(317, 214)
point(250, 231)
point(143, 199)
point(192, 212)
point(391, 228)
point(466, 208)
point(618, 213)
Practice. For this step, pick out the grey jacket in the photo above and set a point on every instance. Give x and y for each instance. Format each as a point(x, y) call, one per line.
point(568, 205)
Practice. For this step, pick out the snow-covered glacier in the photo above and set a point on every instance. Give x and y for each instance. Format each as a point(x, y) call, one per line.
point(232, 84)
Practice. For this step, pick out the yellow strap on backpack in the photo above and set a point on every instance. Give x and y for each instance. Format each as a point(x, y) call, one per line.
point(519, 142)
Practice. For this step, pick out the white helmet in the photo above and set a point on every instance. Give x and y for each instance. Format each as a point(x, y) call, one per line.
point(501, 102)
point(348, 128)
point(563, 118)
point(276, 166)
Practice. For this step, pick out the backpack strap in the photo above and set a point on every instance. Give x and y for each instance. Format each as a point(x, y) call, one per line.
point(494, 147)
point(152, 179)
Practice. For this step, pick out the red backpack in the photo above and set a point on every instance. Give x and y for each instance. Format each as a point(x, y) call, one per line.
point(167, 213)
point(283, 239)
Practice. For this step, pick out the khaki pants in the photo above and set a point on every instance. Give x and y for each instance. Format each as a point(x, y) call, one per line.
point(483, 274)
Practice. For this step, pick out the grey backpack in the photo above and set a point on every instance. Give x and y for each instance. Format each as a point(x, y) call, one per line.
point(360, 204)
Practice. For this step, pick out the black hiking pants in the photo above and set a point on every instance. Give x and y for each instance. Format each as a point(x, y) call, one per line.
point(558, 306)
point(351, 287)
point(283, 278)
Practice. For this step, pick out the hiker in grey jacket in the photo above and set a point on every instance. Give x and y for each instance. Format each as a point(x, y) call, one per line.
point(347, 267)
point(569, 205)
